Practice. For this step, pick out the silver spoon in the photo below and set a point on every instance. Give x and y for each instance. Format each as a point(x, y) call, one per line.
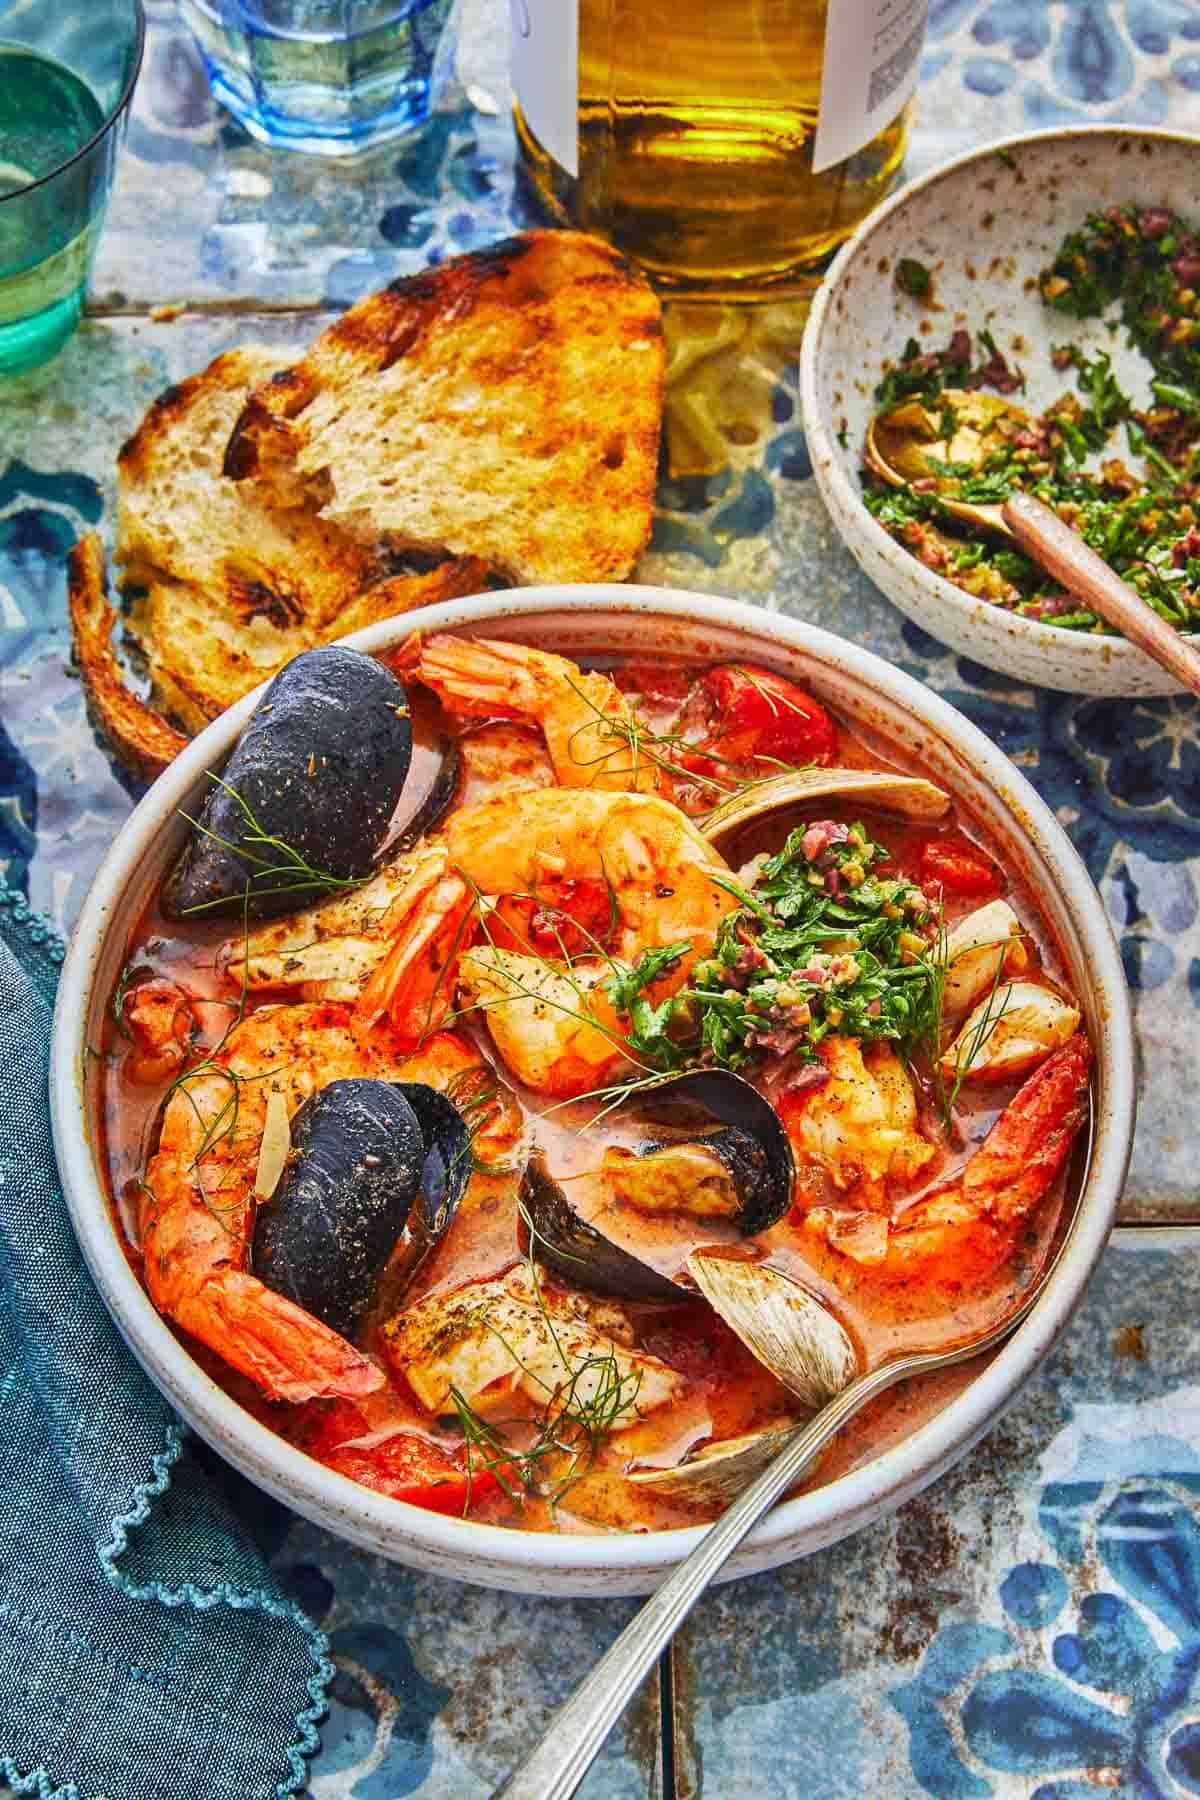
point(578, 1729)
point(897, 447)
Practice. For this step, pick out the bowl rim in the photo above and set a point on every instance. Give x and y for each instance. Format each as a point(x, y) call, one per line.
point(549, 1561)
point(826, 463)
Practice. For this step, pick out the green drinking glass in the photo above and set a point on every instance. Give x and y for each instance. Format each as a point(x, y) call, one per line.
point(67, 73)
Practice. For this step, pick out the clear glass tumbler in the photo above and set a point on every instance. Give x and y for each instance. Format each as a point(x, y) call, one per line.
point(328, 76)
point(67, 72)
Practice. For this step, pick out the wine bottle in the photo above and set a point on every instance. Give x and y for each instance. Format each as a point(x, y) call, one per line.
point(726, 145)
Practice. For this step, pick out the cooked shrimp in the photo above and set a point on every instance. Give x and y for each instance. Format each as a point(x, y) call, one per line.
point(587, 722)
point(504, 758)
point(957, 1235)
point(397, 944)
point(556, 1030)
point(861, 1124)
point(197, 1209)
point(661, 873)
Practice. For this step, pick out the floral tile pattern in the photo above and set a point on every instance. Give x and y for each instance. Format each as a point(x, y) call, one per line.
point(1032, 1626)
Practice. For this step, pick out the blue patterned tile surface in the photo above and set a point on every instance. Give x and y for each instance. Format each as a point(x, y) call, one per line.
point(1031, 1627)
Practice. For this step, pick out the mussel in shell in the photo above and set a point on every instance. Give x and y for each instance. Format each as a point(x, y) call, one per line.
point(447, 1166)
point(581, 1255)
point(310, 792)
point(908, 795)
point(426, 802)
point(366, 1155)
point(744, 1171)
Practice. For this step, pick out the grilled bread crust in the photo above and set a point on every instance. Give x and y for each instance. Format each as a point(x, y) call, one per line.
point(505, 405)
point(223, 588)
point(142, 740)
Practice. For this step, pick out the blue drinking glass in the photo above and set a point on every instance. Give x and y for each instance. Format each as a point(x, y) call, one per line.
point(67, 73)
point(329, 76)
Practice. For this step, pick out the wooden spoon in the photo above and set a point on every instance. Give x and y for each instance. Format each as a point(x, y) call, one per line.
point(901, 442)
point(1062, 553)
point(897, 447)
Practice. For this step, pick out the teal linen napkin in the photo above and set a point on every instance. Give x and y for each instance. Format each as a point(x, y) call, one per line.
point(145, 1651)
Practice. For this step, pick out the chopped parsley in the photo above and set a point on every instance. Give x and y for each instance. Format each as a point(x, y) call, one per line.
point(1144, 521)
point(824, 941)
point(913, 278)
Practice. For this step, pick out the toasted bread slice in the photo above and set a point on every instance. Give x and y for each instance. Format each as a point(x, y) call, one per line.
point(202, 658)
point(179, 519)
point(225, 589)
point(505, 404)
point(144, 742)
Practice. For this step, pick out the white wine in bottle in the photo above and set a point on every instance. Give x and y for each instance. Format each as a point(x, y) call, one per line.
point(726, 145)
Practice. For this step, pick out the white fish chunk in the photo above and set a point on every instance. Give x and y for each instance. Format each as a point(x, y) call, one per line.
point(492, 1339)
point(329, 952)
point(977, 947)
point(1010, 1032)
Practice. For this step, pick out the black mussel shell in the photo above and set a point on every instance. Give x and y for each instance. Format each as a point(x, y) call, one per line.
point(753, 1144)
point(325, 1236)
point(320, 767)
point(580, 1254)
point(447, 1166)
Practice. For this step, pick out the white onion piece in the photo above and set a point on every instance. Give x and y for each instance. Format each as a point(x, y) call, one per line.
point(275, 1147)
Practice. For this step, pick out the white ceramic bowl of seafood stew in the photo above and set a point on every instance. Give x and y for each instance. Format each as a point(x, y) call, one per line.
point(603, 625)
point(984, 227)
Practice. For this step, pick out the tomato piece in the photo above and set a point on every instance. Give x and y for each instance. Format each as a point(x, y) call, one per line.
point(324, 1424)
point(958, 866)
point(408, 1467)
point(404, 1466)
point(574, 916)
point(749, 715)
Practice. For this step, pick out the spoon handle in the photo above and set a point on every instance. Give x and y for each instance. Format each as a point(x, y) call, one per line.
point(579, 1727)
point(1064, 554)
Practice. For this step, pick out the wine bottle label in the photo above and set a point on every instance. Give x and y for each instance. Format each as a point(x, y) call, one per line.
point(872, 55)
point(545, 74)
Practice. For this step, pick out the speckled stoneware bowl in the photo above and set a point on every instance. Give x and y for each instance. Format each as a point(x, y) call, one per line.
point(985, 226)
point(582, 621)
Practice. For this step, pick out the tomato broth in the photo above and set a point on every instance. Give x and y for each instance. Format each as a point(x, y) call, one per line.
point(722, 1391)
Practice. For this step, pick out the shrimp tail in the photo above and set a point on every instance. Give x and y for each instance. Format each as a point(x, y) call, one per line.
point(1030, 1141)
point(481, 677)
point(414, 984)
point(288, 1353)
point(956, 1236)
point(585, 719)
